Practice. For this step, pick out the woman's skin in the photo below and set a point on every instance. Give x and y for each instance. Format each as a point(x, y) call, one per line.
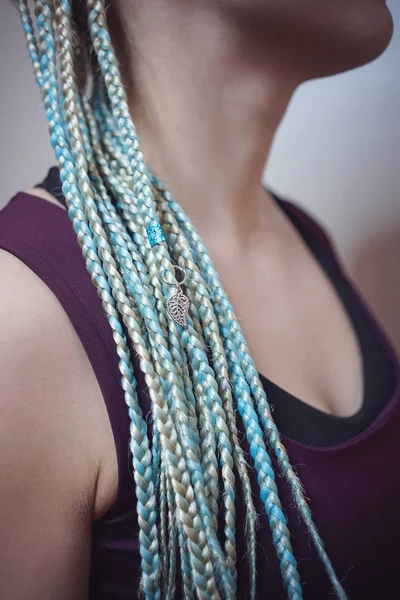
point(208, 82)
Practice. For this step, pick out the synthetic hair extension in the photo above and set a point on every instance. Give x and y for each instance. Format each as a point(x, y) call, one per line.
point(187, 461)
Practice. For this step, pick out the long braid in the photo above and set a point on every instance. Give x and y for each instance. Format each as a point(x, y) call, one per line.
point(181, 470)
point(27, 26)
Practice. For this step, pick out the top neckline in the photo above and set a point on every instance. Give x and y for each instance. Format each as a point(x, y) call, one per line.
point(318, 245)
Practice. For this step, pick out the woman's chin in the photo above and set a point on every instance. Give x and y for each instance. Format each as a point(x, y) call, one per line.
point(318, 38)
point(360, 42)
point(372, 40)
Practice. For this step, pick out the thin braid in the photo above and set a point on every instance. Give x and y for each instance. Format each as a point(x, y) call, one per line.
point(164, 531)
point(175, 530)
point(27, 26)
point(194, 445)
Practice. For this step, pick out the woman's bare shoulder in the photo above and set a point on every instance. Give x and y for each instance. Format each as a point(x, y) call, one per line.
point(46, 481)
point(47, 385)
point(26, 304)
point(38, 353)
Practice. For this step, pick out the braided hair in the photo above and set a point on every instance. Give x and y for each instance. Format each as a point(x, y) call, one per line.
point(187, 461)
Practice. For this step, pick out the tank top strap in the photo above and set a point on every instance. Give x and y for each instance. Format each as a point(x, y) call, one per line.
point(41, 235)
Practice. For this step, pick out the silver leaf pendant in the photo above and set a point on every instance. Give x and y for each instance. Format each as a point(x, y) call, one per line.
point(178, 308)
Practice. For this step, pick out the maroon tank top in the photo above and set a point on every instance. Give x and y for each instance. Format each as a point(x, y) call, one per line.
point(353, 487)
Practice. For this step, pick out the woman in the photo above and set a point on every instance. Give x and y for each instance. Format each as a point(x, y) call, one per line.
point(139, 455)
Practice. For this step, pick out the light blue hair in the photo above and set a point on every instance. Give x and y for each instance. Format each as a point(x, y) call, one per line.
point(199, 375)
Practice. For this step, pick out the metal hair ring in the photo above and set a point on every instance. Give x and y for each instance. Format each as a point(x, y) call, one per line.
point(178, 283)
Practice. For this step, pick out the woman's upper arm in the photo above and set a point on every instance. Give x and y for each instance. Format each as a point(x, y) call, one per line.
point(46, 479)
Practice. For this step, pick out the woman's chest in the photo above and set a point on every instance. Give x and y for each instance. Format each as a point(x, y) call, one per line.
point(299, 331)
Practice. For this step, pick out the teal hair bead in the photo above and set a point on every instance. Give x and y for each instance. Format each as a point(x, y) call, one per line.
point(155, 234)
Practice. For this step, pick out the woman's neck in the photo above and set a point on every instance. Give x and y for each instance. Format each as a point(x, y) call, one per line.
point(206, 107)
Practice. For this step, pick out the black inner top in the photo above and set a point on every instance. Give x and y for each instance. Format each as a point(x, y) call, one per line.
point(293, 417)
